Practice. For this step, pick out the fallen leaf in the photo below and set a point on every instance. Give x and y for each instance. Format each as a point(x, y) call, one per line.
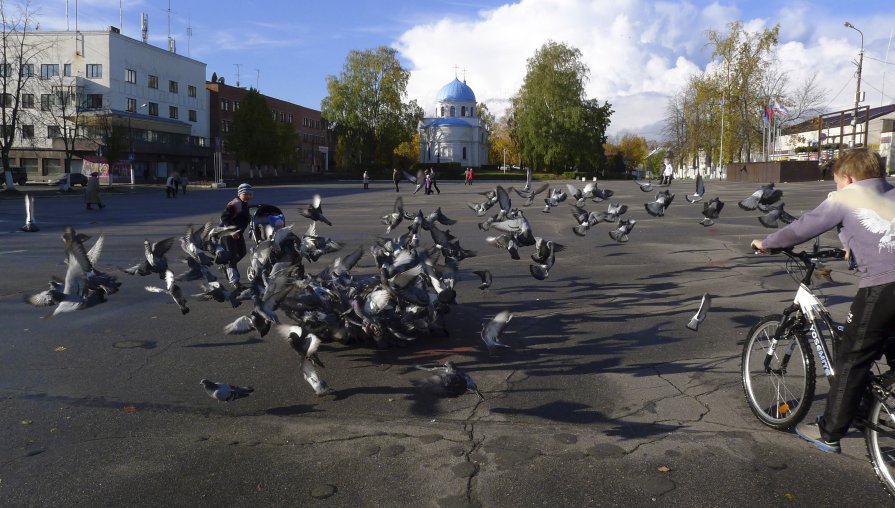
point(129, 409)
point(258, 488)
point(59, 349)
point(790, 496)
point(27, 422)
point(664, 469)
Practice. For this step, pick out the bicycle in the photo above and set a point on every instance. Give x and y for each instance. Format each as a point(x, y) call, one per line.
point(778, 369)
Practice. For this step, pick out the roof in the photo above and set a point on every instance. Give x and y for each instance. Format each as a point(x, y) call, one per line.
point(832, 120)
point(449, 122)
point(456, 90)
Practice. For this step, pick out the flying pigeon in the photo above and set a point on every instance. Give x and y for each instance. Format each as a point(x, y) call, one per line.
point(700, 191)
point(770, 219)
point(663, 201)
point(485, 275)
point(711, 210)
point(154, 258)
point(314, 211)
point(645, 186)
point(766, 195)
point(699, 317)
point(224, 392)
point(624, 227)
point(172, 289)
point(448, 381)
point(492, 331)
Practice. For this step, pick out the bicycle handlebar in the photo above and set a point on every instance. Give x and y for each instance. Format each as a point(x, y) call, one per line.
point(808, 257)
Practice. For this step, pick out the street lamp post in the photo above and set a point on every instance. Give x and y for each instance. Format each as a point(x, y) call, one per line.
point(854, 120)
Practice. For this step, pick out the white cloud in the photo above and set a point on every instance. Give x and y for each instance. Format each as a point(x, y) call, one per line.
point(639, 52)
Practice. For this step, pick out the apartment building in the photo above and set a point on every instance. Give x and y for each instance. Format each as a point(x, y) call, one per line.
point(309, 126)
point(100, 95)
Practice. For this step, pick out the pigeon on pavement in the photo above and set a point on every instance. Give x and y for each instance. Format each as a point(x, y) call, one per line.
point(224, 392)
point(448, 381)
point(492, 331)
point(699, 317)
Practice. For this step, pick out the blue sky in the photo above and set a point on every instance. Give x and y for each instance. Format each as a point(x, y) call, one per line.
point(639, 51)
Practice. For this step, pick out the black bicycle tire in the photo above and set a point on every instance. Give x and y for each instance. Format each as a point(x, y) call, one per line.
point(810, 381)
point(873, 452)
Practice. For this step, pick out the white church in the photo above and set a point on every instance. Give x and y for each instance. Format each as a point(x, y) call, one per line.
point(455, 133)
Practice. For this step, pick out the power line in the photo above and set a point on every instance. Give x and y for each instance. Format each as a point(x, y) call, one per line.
point(877, 89)
point(837, 94)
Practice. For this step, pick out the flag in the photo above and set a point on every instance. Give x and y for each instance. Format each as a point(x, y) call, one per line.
point(768, 114)
point(779, 110)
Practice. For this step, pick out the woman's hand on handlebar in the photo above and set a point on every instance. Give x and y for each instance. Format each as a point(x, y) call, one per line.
point(758, 247)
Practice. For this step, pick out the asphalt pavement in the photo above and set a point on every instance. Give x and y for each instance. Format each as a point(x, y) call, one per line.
point(605, 398)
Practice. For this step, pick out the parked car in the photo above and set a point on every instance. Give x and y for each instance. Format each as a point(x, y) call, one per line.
point(74, 179)
point(19, 176)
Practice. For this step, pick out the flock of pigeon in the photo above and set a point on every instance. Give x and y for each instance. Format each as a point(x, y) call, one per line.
point(408, 296)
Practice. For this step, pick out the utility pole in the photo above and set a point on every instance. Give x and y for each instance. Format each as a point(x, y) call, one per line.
point(854, 120)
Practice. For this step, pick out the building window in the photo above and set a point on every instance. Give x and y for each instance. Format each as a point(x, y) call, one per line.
point(153, 109)
point(225, 104)
point(29, 164)
point(192, 115)
point(191, 91)
point(27, 132)
point(28, 100)
point(27, 70)
point(51, 167)
point(94, 70)
point(48, 71)
point(46, 101)
point(442, 112)
point(235, 106)
point(453, 111)
point(225, 126)
point(6, 100)
point(53, 131)
point(5, 70)
point(153, 81)
point(131, 105)
point(172, 86)
point(290, 117)
point(172, 112)
point(130, 76)
point(94, 101)
point(66, 70)
point(462, 110)
point(464, 153)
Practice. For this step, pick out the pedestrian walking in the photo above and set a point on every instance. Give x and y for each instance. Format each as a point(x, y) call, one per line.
point(427, 185)
point(466, 177)
point(471, 175)
point(169, 187)
point(184, 180)
point(396, 177)
point(668, 172)
point(366, 180)
point(433, 177)
point(234, 246)
point(176, 184)
point(91, 193)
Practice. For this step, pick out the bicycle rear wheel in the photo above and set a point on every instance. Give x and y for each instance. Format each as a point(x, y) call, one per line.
point(778, 383)
point(880, 432)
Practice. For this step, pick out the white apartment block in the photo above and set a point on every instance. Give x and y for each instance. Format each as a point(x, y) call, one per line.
point(79, 83)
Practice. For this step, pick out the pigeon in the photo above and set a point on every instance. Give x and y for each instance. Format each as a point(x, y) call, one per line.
point(440, 217)
point(448, 381)
point(314, 211)
point(766, 195)
point(172, 289)
point(711, 210)
point(624, 227)
point(492, 331)
point(614, 211)
point(543, 250)
point(699, 317)
point(769, 220)
point(485, 275)
point(224, 392)
point(155, 261)
point(645, 186)
point(598, 194)
point(700, 191)
point(663, 201)
point(529, 195)
point(395, 217)
point(306, 344)
point(29, 226)
point(586, 220)
point(215, 291)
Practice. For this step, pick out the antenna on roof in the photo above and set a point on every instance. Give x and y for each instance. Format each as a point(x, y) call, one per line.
point(172, 46)
point(144, 26)
point(189, 35)
point(237, 74)
point(257, 78)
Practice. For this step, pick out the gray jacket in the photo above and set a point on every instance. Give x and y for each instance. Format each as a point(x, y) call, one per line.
point(866, 212)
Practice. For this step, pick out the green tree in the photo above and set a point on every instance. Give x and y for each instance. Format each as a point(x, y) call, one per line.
point(408, 152)
point(557, 126)
point(365, 107)
point(254, 135)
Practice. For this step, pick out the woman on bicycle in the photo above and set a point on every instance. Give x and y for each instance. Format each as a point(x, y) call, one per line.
point(863, 206)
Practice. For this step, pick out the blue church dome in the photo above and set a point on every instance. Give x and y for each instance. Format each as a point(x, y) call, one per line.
point(456, 90)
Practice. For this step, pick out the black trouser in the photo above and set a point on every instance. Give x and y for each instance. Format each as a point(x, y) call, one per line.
point(870, 324)
point(396, 185)
point(434, 186)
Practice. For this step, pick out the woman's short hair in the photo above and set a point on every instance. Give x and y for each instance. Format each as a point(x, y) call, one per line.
point(859, 163)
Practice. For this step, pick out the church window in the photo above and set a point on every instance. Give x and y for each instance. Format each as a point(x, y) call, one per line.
point(464, 153)
point(463, 111)
point(442, 111)
point(453, 111)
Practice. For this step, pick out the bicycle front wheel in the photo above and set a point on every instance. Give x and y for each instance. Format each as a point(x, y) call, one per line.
point(778, 379)
point(880, 432)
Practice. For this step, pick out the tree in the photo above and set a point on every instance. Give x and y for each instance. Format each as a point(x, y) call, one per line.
point(16, 71)
point(254, 135)
point(557, 126)
point(407, 152)
point(365, 107)
point(64, 113)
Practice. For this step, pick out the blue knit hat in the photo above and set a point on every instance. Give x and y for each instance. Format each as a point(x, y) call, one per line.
point(243, 187)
